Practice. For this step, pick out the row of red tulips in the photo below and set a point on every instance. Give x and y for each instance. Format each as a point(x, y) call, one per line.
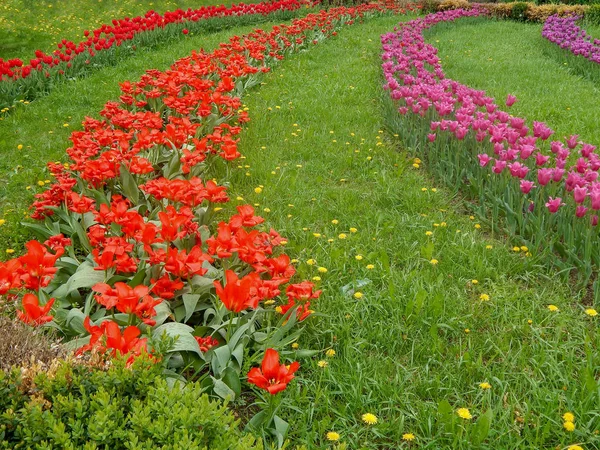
point(110, 43)
point(133, 257)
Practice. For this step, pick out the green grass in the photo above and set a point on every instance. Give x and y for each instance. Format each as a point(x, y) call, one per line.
point(315, 144)
point(27, 25)
point(505, 57)
point(43, 127)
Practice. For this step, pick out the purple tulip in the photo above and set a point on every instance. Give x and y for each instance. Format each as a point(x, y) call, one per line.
point(553, 204)
point(526, 186)
point(510, 100)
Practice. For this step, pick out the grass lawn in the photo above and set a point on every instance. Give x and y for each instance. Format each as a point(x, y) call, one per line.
point(419, 304)
point(27, 25)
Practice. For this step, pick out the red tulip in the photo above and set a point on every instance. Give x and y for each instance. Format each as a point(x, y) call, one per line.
point(32, 313)
point(272, 376)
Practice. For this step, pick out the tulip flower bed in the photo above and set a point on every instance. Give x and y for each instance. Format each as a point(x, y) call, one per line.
point(21, 80)
point(578, 48)
point(546, 189)
point(132, 250)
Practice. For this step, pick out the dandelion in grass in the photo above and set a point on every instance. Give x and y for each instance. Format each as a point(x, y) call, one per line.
point(484, 297)
point(330, 353)
point(568, 417)
point(428, 233)
point(335, 221)
point(516, 249)
point(333, 436)
point(489, 247)
point(258, 190)
point(467, 331)
point(358, 295)
point(316, 278)
point(311, 262)
point(477, 226)
point(10, 251)
point(434, 262)
point(553, 308)
point(574, 447)
point(20, 147)
point(485, 385)
point(591, 312)
point(370, 266)
point(295, 346)
point(322, 270)
point(569, 426)
point(474, 282)
point(353, 230)
point(369, 419)
point(322, 364)
point(464, 413)
point(342, 236)
point(358, 257)
point(408, 437)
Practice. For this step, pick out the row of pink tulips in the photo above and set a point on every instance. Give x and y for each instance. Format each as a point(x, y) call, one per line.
point(546, 188)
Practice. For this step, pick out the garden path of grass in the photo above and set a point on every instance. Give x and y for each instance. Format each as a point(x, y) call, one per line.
point(420, 334)
point(43, 127)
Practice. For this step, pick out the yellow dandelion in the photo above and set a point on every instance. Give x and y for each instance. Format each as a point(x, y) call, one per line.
point(330, 353)
point(569, 426)
point(322, 270)
point(428, 233)
point(553, 308)
point(2, 222)
point(489, 247)
point(40, 183)
point(530, 321)
point(335, 221)
point(358, 295)
point(574, 447)
point(269, 302)
point(477, 226)
point(370, 266)
point(353, 230)
point(369, 419)
point(568, 417)
point(516, 249)
point(333, 436)
point(295, 345)
point(474, 282)
point(416, 166)
point(524, 248)
point(408, 437)
point(434, 262)
point(316, 278)
point(591, 312)
point(342, 236)
point(258, 190)
point(423, 189)
point(322, 364)
point(10, 251)
point(358, 257)
point(433, 190)
point(310, 262)
point(485, 385)
point(464, 413)
point(20, 147)
point(484, 297)
point(317, 235)
point(267, 210)
point(467, 330)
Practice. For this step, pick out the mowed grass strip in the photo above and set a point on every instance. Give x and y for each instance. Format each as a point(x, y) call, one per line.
point(506, 57)
point(39, 132)
point(419, 304)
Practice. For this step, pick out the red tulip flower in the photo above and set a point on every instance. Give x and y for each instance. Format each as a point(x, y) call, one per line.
point(272, 376)
point(33, 313)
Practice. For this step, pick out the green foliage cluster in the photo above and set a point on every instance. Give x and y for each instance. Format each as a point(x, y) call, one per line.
point(135, 408)
point(593, 14)
point(518, 11)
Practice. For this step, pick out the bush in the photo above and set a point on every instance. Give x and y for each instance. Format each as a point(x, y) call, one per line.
point(430, 6)
point(454, 4)
point(20, 344)
point(78, 407)
point(519, 11)
point(593, 15)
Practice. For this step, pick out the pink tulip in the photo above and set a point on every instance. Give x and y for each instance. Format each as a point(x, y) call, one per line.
point(544, 176)
point(594, 220)
point(484, 159)
point(595, 198)
point(553, 204)
point(579, 194)
point(510, 100)
point(572, 141)
point(526, 186)
point(431, 137)
point(540, 159)
point(499, 166)
point(580, 211)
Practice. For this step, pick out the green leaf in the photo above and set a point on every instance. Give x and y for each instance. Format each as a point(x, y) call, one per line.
point(189, 302)
point(445, 415)
point(232, 379)
point(220, 360)
point(184, 342)
point(130, 188)
point(163, 311)
point(75, 319)
point(482, 428)
point(222, 390)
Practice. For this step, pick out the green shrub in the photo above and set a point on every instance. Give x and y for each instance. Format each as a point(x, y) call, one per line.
point(78, 407)
point(430, 6)
point(592, 15)
point(519, 11)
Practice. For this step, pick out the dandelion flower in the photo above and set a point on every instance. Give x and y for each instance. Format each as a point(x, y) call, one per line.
point(569, 426)
point(258, 190)
point(568, 417)
point(434, 262)
point(335, 221)
point(467, 330)
point(474, 282)
point(516, 249)
point(316, 278)
point(408, 437)
point(333, 436)
point(10, 251)
point(322, 270)
point(591, 312)
point(20, 147)
point(464, 413)
point(553, 308)
point(310, 262)
point(358, 295)
point(317, 235)
point(358, 257)
point(485, 385)
point(353, 230)
point(342, 236)
point(428, 233)
point(489, 247)
point(484, 297)
point(370, 266)
point(524, 248)
point(477, 226)
point(330, 353)
point(369, 419)
point(574, 447)
point(295, 345)
point(322, 364)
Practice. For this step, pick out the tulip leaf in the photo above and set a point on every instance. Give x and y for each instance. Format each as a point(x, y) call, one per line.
point(222, 390)
point(232, 379)
point(189, 302)
point(85, 277)
point(184, 340)
point(129, 185)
